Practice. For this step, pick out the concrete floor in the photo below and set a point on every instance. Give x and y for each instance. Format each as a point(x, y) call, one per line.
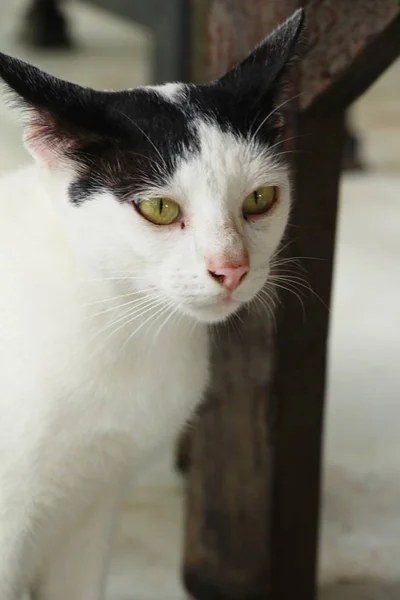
point(360, 544)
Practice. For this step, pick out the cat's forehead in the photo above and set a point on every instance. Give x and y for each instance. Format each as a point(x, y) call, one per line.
point(161, 128)
point(177, 107)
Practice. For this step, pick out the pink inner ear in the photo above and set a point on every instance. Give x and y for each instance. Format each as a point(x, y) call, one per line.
point(47, 142)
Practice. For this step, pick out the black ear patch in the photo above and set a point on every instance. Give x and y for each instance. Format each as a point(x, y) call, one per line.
point(259, 80)
point(264, 67)
point(61, 114)
point(246, 99)
point(33, 89)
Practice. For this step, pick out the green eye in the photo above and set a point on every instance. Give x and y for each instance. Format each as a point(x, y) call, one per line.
point(260, 201)
point(160, 211)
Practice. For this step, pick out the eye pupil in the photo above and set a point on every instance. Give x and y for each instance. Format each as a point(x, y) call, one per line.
point(256, 197)
point(161, 205)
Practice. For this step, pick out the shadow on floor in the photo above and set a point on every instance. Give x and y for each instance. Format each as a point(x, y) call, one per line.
point(366, 590)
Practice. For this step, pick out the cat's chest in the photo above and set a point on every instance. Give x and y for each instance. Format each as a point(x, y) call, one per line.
point(141, 398)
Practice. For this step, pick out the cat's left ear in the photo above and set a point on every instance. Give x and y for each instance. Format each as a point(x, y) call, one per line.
point(262, 73)
point(60, 115)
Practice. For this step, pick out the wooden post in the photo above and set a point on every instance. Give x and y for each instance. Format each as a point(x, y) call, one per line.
point(299, 378)
point(227, 555)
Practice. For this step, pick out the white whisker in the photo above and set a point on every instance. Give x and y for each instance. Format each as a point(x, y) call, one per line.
point(113, 298)
point(268, 301)
point(297, 282)
point(146, 136)
point(130, 319)
point(118, 278)
point(117, 307)
point(275, 110)
point(295, 293)
point(152, 316)
point(173, 312)
point(126, 318)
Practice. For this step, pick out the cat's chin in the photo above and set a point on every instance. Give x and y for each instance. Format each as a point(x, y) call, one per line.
point(213, 313)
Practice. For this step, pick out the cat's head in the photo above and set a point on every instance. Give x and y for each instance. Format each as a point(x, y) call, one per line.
point(180, 191)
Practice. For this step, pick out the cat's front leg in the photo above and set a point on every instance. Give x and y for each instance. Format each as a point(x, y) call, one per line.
point(15, 562)
point(11, 577)
point(79, 568)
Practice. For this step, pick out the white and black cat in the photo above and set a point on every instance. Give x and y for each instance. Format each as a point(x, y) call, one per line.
point(148, 214)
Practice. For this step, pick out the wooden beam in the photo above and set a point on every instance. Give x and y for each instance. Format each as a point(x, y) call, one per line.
point(350, 43)
point(235, 27)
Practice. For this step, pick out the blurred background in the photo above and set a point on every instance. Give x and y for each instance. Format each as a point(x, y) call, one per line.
point(360, 543)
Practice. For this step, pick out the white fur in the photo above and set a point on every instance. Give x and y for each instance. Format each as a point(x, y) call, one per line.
point(171, 91)
point(87, 388)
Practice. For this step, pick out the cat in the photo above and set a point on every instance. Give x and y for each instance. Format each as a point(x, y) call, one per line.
point(147, 215)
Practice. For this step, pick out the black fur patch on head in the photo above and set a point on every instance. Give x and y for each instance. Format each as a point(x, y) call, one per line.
point(231, 112)
point(126, 141)
point(153, 133)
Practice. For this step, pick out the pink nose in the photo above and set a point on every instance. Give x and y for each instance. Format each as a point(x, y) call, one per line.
point(230, 277)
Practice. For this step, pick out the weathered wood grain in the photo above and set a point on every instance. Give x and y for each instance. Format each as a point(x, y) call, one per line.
point(300, 345)
point(350, 43)
point(227, 523)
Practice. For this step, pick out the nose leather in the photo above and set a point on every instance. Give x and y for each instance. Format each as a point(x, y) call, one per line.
point(230, 277)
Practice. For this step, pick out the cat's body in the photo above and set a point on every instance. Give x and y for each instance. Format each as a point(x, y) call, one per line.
point(77, 435)
point(116, 249)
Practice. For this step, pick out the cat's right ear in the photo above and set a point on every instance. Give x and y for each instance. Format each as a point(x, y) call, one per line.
point(260, 78)
point(59, 114)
